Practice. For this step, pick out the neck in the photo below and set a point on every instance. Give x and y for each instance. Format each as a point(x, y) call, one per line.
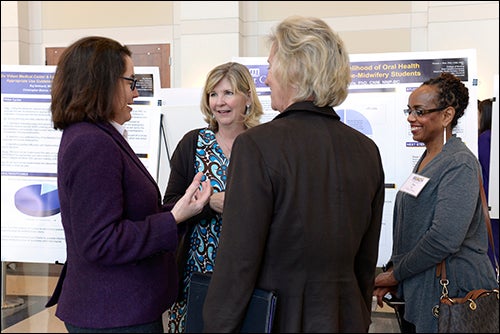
point(225, 140)
point(230, 132)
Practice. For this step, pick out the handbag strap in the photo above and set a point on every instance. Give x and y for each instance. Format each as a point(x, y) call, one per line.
point(486, 212)
point(441, 267)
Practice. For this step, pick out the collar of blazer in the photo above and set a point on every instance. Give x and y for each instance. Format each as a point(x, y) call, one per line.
point(308, 106)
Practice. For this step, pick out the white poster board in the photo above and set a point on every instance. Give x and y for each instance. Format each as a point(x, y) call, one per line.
point(31, 219)
point(381, 84)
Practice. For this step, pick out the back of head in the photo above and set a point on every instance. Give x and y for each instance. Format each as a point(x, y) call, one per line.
point(311, 58)
point(451, 91)
point(241, 82)
point(484, 108)
point(84, 83)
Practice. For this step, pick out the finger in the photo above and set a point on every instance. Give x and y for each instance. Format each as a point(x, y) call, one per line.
point(193, 187)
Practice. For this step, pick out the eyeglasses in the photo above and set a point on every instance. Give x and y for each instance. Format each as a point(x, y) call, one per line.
point(133, 83)
point(420, 112)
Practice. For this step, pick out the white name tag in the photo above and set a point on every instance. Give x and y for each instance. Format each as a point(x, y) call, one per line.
point(414, 184)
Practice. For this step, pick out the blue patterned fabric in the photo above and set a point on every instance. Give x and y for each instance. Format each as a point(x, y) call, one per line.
point(204, 239)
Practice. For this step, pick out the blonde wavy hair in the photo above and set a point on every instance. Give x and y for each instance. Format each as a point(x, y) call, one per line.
point(241, 82)
point(311, 59)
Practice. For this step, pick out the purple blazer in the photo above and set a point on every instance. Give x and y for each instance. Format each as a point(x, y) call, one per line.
point(120, 240)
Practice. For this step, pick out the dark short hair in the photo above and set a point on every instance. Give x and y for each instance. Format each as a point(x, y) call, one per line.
point(84, 83)
point(484, 108)
point(451, 92)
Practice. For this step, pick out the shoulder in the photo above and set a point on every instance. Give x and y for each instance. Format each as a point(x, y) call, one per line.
point(191, 134)
point(87, 132)
point(262, 132)
point(190, 137)
point(458, 160)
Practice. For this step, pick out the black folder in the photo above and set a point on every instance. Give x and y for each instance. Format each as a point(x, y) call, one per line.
point(260, 311)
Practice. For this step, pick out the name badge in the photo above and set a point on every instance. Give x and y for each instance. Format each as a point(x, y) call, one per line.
point(414, 184)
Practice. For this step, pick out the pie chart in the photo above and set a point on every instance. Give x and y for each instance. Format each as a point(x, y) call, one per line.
point(38, 200)
point(356, 120)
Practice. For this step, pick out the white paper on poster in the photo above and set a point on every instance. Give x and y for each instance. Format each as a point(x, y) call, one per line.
point(33, 232)
point(379, 91)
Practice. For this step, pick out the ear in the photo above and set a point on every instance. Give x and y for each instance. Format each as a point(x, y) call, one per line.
point(249, 98)
point(448, 115)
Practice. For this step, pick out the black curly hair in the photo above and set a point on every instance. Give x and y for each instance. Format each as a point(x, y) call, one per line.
point(451, 92)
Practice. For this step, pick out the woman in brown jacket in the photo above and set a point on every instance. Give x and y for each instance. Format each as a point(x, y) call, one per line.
point(304, 198)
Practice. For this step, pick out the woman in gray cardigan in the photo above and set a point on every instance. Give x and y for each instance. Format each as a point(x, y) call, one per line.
point(440, 217)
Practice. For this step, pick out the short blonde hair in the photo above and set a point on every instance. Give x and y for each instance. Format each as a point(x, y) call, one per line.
point(241, 82)
point(311, 58)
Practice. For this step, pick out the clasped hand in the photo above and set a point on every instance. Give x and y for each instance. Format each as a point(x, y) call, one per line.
point(384, 283)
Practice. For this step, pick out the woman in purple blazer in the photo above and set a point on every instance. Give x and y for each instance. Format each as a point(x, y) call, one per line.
point(120, 273)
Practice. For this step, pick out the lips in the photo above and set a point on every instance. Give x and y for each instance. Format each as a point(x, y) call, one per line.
point(415, 130)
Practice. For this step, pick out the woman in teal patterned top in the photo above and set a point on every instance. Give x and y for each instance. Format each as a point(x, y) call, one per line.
point(230, 105)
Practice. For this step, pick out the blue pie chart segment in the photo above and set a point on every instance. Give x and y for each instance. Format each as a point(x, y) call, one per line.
point(38, 200)
point(356, 120)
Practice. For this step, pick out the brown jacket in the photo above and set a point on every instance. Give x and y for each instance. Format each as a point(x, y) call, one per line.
point(302, 216)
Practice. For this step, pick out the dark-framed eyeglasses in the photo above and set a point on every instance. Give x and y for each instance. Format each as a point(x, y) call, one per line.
point(133, 82)
point(421, 112)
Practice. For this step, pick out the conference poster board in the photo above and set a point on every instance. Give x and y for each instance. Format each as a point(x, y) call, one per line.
point(381, 84)
point(31, 220)
point(379, 91)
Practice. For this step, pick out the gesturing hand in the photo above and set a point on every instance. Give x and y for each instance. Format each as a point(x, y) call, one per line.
point(193, 200)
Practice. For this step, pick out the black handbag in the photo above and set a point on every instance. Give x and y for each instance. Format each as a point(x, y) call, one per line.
point(478, 311)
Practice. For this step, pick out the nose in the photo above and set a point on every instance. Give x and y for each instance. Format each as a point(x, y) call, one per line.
point(220, 99)
point(411, 117)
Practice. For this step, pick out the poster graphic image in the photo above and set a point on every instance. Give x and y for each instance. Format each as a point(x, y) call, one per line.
point(38, 200)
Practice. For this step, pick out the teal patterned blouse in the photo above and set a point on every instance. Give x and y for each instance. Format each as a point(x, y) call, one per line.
point(204, 239)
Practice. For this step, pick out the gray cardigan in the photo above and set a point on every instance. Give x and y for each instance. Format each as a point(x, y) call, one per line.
point(445, 221)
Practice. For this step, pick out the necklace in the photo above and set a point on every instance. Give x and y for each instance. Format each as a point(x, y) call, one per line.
point(223, 144)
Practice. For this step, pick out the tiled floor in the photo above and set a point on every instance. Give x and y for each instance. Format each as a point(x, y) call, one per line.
point(44, 321)
point(33, 317)
point(28, 285)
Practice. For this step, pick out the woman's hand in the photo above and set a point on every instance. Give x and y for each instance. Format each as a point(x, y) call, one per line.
point(380, 292)
point(217, 201)
point(193, 200)
point(386, 279)
point(384, 283)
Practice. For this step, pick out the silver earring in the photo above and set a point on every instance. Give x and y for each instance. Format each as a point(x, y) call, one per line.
point(247, 110)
